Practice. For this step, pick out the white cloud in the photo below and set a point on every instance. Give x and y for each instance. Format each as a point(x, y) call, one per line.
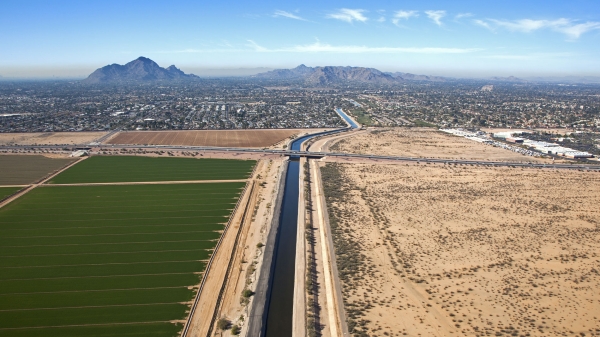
point(436, 16)
point(349, 15)
point(404, 15)
point(319, 47)
point(575, 31)
point(483, 24)
point(566, 26)
point(381, 19)
point(463, 15)
point(528, 25)
point(279, 13)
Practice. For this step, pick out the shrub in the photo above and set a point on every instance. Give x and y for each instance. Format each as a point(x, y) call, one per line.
point(235, 330)
point(223, 324)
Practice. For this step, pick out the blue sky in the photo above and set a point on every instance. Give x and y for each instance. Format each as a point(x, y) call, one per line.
point(455, 38)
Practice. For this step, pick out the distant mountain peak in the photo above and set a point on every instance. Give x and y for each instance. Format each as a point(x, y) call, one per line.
point(329, 75)
point(141, 69)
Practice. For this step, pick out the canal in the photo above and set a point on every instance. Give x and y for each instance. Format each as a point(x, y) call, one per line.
point(280, 299)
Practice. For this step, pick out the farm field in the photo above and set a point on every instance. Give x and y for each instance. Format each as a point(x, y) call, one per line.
point(49, 138)
point(26, 169)
point(105, 169)
point(109, 260)
point(6, 191)
point(220, 138)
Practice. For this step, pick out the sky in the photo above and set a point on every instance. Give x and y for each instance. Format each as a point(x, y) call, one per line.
point(481, 38)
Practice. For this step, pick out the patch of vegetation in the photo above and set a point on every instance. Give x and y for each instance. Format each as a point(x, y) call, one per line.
point(420, 123)
point(362, 117)
point(8, 191)
point(223, 324)
point(112, 257)
point(351, 263)
point(104, 169)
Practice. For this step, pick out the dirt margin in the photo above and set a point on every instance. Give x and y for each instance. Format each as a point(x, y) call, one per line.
point(257, 319)
point(201, 317)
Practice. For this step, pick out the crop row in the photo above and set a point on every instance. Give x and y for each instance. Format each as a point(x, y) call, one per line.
point(102, 169)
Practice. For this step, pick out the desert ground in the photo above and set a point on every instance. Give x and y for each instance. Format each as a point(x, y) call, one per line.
point(435, 250)
point(49, 138)
point(252, 222)
point(221, 138)
point(424, 142)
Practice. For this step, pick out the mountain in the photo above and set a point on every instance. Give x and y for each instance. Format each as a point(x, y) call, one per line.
point(567, 79)
point(508, 79)
point(413, 77)
point(329, 75)
point(141, 69)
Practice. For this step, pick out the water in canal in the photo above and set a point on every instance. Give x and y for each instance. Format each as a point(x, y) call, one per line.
point(280, 302)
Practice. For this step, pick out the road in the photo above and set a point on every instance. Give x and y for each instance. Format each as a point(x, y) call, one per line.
point(297, 153)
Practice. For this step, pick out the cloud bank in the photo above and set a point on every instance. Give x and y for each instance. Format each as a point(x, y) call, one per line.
point(569, 27)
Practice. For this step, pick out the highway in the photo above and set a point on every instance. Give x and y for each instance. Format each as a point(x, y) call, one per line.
point(298, 153)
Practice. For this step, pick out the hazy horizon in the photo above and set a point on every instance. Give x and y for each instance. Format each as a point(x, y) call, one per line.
point(70, 39)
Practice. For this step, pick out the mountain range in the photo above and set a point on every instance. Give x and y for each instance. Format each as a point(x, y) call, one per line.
point(329, 75)
point(144, 69)
point(141, 69)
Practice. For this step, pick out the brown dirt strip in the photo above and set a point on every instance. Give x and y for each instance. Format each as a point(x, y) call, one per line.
point(201, 320)
point(156, 182)
point(233, 284)
point(222, 138)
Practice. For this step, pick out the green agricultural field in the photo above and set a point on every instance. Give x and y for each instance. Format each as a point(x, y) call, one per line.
point(110, 260)
point(26, 169)
point(6, 191)
point(100, 169)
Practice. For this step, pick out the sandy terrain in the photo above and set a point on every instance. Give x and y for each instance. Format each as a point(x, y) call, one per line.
point(194, 154)
point(246, 260)
point(221, 138)
point(249, 258)
point(436, 250)
point(49, 138)
point(424, 142)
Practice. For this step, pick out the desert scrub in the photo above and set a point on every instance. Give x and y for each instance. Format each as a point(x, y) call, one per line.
point(350, 261)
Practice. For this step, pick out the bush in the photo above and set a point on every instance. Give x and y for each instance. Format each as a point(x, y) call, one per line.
point(223, 324)
point(247, 293)
point(235, 330)
point(259, 245)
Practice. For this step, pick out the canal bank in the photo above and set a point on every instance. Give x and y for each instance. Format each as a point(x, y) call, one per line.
point(275, 313)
